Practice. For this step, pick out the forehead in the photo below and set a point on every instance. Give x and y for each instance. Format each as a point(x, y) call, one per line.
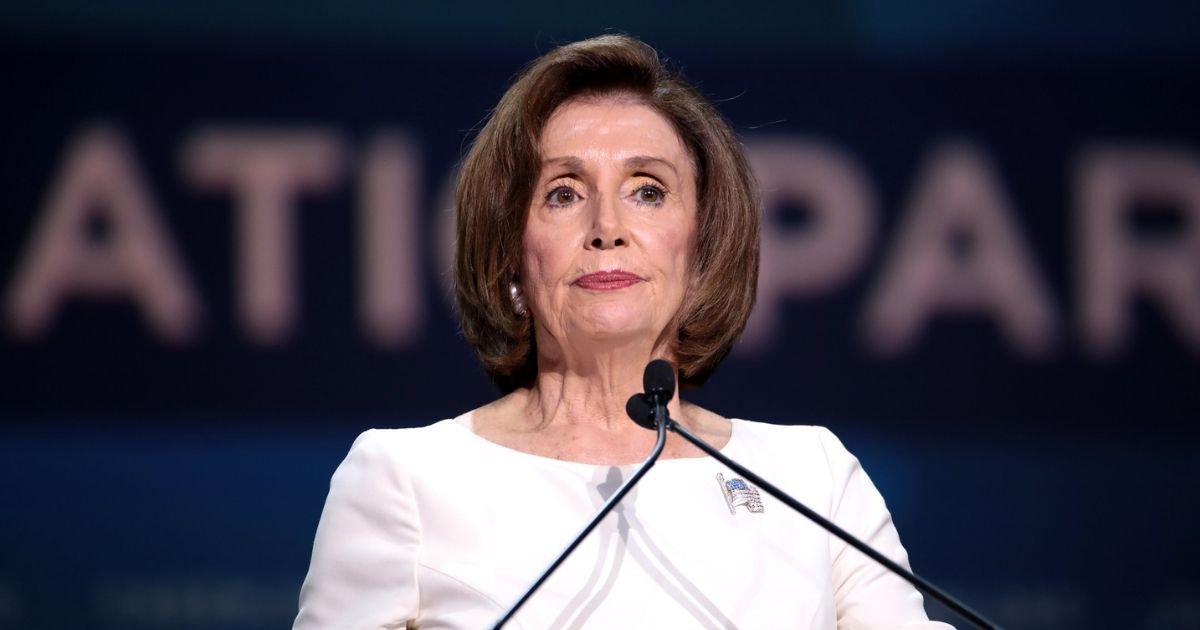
point(611, 127)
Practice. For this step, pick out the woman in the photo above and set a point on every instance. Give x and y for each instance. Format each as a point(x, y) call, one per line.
point(606, 216)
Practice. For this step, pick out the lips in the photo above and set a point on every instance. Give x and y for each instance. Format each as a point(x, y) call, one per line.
point(607, 280)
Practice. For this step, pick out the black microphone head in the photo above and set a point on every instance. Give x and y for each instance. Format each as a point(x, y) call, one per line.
point(640, 411)
point(659, 378)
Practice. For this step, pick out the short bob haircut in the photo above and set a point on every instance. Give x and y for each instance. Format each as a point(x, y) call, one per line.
point(495, 187)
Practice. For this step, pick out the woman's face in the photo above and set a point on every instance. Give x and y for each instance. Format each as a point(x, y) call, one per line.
point(611, 224)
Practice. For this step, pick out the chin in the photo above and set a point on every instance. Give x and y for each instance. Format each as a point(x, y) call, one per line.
point(622, 325)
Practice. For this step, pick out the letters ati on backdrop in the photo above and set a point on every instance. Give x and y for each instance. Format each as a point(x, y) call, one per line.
point(958, 245)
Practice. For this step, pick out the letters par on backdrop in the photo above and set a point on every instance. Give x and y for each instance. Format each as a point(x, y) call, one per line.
point(958, 248)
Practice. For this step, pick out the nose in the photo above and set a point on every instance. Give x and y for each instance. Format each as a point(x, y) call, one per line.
point(608, 226)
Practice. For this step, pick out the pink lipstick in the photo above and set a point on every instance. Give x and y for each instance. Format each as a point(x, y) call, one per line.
point(607, 280)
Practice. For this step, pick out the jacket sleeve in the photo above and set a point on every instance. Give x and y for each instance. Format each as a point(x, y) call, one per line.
point(867, 595)
point(363, 569)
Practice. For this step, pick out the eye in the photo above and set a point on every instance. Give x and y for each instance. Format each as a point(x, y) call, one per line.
point(650, 194)
point(562, 196)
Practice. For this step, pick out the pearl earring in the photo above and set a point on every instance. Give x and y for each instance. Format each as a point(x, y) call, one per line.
point(518, 299)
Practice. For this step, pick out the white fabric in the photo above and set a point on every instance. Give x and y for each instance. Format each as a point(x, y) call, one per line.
point(437, 528)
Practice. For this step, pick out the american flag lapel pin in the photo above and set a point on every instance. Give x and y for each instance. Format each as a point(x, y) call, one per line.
point(738, 492)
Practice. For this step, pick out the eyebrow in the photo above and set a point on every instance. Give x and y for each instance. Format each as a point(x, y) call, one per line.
point(638, 161)
point(571, 162)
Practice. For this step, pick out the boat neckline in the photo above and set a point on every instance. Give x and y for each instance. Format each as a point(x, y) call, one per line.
point(463, 422)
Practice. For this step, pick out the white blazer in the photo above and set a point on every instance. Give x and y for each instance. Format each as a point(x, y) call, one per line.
point(438, 528)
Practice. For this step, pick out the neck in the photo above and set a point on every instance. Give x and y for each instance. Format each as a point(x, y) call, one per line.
point(589, 394)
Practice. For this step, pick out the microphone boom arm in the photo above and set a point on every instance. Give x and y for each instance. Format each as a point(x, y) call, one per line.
point(925, 586)
point(608, 506)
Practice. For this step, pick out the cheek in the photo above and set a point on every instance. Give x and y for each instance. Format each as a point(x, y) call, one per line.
point(543, 256)
point(534, 253)
point(681, 243)
point(676, 246)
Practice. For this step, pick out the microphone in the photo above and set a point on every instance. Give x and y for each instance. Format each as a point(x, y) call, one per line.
point(649, 410)
point(660, 388)
point(640, 410)
point(659, 381)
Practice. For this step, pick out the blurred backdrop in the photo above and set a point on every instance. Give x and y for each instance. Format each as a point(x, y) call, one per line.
point(224, 247)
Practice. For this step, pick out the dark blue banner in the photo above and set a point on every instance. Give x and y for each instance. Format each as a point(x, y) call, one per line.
point(218, 267)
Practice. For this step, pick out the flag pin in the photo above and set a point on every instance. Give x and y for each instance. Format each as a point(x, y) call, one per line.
point(738, 492)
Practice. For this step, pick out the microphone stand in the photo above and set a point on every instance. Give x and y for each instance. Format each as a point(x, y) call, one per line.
point(925, 586)
point(608, 506)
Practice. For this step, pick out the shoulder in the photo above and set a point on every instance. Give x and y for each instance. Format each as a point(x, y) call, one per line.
point(809, 450)
point(381, 449)
point(403, 438)
point(772, 437)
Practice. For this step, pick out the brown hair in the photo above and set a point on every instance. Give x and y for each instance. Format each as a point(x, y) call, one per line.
point(495, 188)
